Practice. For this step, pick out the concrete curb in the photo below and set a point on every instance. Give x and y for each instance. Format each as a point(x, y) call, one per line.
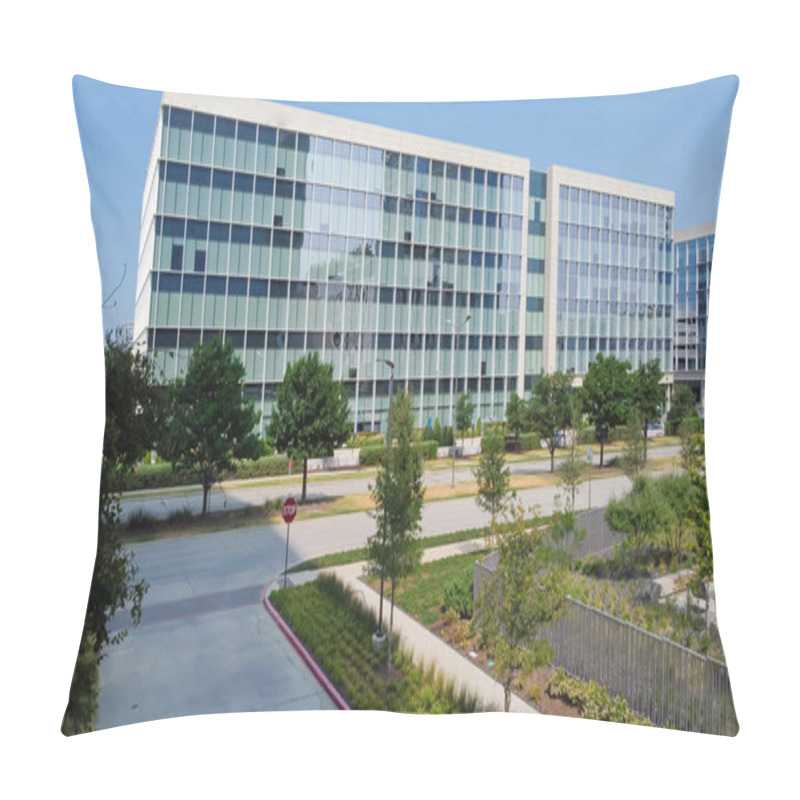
point(307, 658)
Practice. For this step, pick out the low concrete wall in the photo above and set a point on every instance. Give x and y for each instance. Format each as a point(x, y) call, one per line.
point(470, 447)
point(344, 458)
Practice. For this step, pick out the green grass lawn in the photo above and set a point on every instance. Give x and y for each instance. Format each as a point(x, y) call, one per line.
point(422, 595)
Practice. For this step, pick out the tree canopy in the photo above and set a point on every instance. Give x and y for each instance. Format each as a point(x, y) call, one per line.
point(551, 409)
point(464, 410)
point(398, 494)
point(132, 427)
point(605, 396)
point(492, 474)
point(210, 421)
point(523, 593)
point(682, 408)
point(517, 416)
point(311, 415)
point(648, 395)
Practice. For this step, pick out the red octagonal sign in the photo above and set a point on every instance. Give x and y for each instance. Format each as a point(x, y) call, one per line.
point(289, 509)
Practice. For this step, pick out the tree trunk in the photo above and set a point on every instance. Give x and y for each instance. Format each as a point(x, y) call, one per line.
point(552, 456)
point(644, 430)
point(206, 488)
point(507, 695)
point(305, 479)
point(389, 643)
point(601, 452)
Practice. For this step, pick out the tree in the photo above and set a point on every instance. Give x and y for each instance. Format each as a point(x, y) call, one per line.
point(692, 444)
point(551, 409)
point(492, 475)
point(311, 415)
point(571, 469)
point(648, 395)
point(605, 396)
point(516, 416)
point(525, 592)
point(133, 413)
point(210, 422)
point(634, 455)
point(464, 410)
point(681, 408)
point(398, 494)
point(700, 521)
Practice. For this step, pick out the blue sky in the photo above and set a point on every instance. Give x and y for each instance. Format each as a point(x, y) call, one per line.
point(671, 138)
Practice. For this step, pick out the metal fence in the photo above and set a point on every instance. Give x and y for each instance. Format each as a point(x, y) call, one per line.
point(672, 686)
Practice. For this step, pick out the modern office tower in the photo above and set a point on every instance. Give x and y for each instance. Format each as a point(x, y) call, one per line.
point(534, 299)
point(694, 250)
point(288, 231)
point(608, 271)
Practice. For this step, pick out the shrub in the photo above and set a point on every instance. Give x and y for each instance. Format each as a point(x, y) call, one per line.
point(372, 455)
point(530, 441)
point(458, 594)
point(428, 449)
point(264, 467)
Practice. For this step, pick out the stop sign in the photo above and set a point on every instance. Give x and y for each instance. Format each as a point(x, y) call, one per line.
point(289, 509)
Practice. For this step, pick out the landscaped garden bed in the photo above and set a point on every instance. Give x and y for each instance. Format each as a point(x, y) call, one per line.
point(337, 629)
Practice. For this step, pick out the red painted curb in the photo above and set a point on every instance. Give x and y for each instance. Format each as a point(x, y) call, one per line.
point(315, 668)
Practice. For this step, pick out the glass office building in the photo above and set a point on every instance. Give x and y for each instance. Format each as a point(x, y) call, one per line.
point(287, 231)
point(608, 271)
point(694, 250)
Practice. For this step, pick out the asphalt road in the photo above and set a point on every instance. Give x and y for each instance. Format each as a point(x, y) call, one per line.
point(205, 643)
point(241, 494)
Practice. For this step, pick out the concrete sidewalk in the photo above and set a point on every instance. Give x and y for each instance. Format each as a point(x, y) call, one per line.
point(427, 648)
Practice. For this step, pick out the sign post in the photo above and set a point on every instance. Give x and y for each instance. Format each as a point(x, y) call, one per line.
point(289, 512)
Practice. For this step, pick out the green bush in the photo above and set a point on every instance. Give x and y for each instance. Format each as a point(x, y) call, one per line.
point(458, 594)
point(529, 441)
point(372, 455)
point(593, 700)
point(428, 449)
point(264, 467)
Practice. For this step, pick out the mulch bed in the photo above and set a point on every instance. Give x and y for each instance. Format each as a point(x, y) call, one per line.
point(536, 683)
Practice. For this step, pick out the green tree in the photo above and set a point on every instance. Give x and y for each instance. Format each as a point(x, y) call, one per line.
point(642, 515)
point(634, 453)
point(700, 519)
point(605, 396)
point(398, 494)
point(573, 466)
point(516, 416)
point(648, 395)
point(464, 410)
point(525, 592)
point(133, 417)
point(311, 415)
point(692, 444)
point(492, 475)
point(551, 409)
point(210, 422)
point(682, 408)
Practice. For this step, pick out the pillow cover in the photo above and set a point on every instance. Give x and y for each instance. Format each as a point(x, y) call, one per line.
point(281, 280)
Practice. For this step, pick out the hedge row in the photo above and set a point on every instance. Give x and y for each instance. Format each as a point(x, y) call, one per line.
point(373, 455)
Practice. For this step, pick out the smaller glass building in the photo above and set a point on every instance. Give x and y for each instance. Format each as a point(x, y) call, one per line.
point(694, 251)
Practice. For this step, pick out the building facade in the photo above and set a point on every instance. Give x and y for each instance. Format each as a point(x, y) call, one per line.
point(288, 231)
point(608, 271)
point(694, 252)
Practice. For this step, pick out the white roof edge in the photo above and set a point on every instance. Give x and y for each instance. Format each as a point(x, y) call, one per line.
point(605, 183)
point(696, 231)
point(319, 124)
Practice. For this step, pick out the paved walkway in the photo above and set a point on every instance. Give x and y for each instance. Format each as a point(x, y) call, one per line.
point(425, 647)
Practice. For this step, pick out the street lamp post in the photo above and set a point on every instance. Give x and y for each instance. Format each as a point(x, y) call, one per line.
point(453, 386)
